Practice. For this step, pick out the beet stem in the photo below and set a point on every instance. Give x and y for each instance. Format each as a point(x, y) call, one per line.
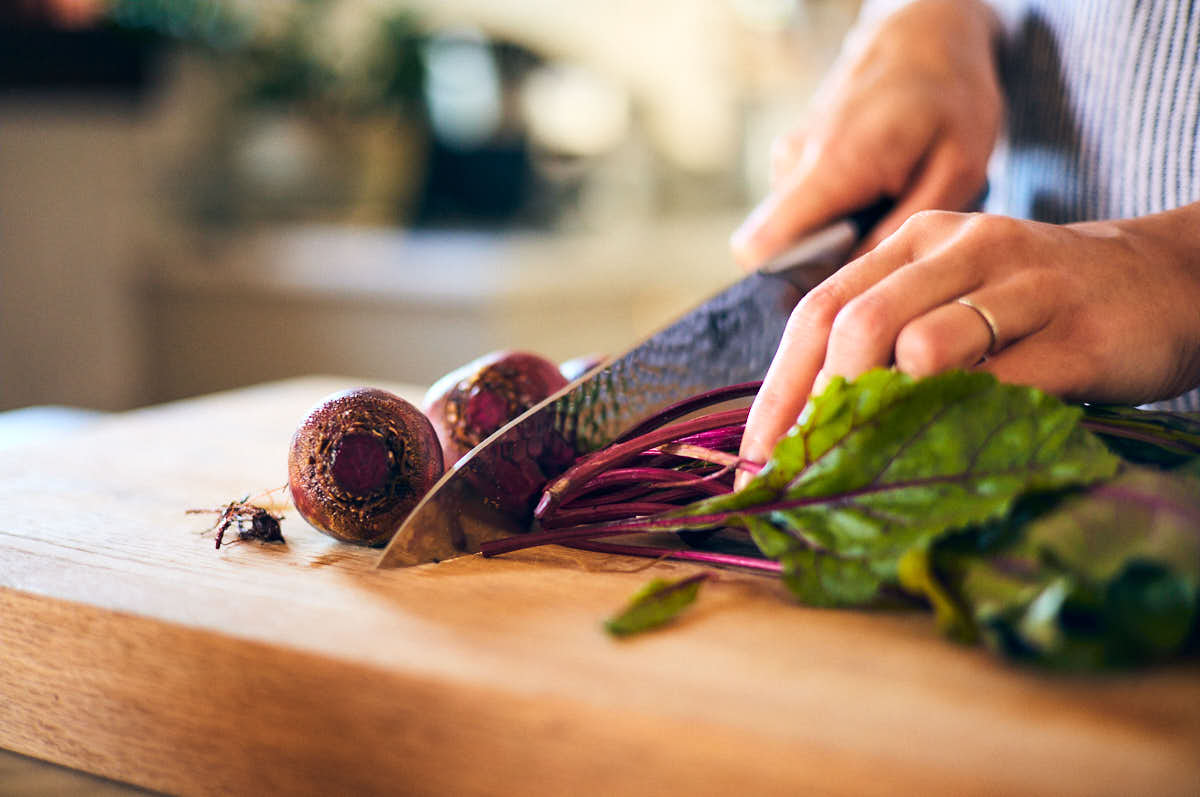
point(705, 557)
point(639, 481)
point(574, 479)
point(598, 513)
point(726, 460)
point(689, 405)
point(670, 497)
point(557, 536)
point(728, 438)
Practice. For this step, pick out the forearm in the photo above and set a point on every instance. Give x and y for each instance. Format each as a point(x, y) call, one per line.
point(873, 11)
point(941, 41)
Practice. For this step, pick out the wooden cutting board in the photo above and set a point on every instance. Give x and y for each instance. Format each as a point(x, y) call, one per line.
point(130, 648)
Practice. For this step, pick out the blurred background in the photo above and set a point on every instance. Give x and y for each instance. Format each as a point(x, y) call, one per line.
point(202, 194)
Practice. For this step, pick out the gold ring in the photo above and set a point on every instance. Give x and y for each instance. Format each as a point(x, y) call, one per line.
point(988, 319)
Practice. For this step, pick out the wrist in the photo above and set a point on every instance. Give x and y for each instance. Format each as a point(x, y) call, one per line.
point(1169, 242)
point(977, 14)
point(1172, 235)
point(943, 36)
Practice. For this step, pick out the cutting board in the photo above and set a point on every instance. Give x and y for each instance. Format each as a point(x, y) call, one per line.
point(131, 648)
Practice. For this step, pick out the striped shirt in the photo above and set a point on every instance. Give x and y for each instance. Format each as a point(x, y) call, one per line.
point(1103, 111)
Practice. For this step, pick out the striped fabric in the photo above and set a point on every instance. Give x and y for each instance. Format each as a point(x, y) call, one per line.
point(1104, 103)
point(1104, 111)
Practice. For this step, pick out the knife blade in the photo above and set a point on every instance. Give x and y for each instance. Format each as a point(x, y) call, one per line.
point(728, 339)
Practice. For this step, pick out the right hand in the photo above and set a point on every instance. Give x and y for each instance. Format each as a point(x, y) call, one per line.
point(910, 111)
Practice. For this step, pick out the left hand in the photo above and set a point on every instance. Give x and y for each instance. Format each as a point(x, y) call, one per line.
point(1098, 311)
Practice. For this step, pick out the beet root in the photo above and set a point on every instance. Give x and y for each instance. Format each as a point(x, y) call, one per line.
point(359, 462)
point(470, 403)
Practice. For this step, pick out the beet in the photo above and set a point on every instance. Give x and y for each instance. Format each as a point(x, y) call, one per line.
point(470, 403)
point(359, 462)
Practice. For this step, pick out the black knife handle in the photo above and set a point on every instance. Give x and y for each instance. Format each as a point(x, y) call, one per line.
point(864, 220)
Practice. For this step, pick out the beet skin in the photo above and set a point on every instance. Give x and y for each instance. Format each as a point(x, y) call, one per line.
point(470, 403)
point(359, 462)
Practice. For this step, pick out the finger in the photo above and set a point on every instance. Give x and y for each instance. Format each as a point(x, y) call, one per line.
point(953, 335)
point(865, 332)
point(812, 194)
point(802, 350)
point(1044, 363)
point(944, 182)
point(785, 387)
point(785, 154)
point(789, 380)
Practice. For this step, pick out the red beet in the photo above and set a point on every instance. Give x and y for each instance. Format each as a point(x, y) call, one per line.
point(470, 403)
point(360, 462)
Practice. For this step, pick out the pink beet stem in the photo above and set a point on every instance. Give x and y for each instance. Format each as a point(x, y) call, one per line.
point(597, 513)
point(571, 482)
point(690, 405)
point(688, 555)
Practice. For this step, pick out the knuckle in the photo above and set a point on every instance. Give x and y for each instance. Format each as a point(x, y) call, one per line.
point(820, 305)
point(847, 153)
point(924, 221)
point(919, 352)
point(769, 407)
point(865, 318)
point(990, 227)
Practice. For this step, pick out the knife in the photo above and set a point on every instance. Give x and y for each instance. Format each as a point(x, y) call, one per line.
point(728, 339)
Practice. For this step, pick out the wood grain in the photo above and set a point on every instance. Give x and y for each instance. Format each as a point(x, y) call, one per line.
point(130, 648)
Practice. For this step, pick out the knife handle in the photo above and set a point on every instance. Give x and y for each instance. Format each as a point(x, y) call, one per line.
point(818, 254)
point(864, 220)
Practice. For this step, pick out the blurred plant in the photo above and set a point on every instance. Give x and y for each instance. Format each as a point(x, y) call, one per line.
point(352, 56)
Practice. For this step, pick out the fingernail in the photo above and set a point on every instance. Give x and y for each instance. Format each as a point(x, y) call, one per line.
point(820, 383)
point(742, 477)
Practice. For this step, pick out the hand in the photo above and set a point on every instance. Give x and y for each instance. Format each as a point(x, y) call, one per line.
point(911, 112)
point(1099, 311)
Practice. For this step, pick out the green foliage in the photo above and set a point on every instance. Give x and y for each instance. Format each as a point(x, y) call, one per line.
point(655, 604)
point(220, 25)
point(312, 53)
point(887, 464)
point(994, 502)
point(1107, 576)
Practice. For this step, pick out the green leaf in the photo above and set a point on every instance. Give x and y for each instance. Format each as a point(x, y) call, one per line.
point(1104, 577)
point(885, 465)
point(655, 604)
point(814, 575)
point(820, 578)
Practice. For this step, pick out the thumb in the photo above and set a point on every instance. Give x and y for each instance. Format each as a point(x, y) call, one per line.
point(812, 195)
point(946, 182)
